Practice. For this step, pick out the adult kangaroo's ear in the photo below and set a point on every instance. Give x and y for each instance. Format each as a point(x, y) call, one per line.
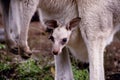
point(73, 23)
point(51, 24)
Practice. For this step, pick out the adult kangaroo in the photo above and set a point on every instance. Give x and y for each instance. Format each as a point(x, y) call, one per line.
point(100, 20)
point(97, 21)
point(17, 15)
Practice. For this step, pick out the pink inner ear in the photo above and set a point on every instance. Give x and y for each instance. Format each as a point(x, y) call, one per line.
point(51, 24)
point(74, 22)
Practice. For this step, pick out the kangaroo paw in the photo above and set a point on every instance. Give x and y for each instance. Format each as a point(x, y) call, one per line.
point(26, 54)
point(14, 50)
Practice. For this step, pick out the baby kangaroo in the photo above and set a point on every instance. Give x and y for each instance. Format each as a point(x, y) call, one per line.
point(67, 35)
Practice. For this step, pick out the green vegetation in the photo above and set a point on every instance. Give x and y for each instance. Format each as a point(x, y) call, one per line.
point(4, 67)
point(2, 46)
point(80, 74)
point(34, 70)
point(28, 68)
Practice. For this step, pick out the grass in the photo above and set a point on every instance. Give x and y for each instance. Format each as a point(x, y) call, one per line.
point(4, 67)
point(30, 70)
point(26, 70)
point(34, 70)
point(80, 74)
point(2, 46)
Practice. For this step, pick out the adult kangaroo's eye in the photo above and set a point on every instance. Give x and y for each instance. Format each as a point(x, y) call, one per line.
point(51, 38)
point(64, 40)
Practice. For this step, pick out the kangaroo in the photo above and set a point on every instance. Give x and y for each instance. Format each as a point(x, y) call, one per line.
point(99, 22)
point(62, 11)
point(17, 15)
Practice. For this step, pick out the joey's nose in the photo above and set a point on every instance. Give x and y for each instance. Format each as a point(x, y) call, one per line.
point(55, 52)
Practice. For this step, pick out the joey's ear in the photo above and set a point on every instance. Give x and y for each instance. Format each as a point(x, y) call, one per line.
point(73, 23)
point(51, 24)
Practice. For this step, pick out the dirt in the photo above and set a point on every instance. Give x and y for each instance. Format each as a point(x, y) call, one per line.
point(40, 45)
point(112, 61)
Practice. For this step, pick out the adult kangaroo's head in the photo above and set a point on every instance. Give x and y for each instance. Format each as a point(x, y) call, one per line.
point(61, 33)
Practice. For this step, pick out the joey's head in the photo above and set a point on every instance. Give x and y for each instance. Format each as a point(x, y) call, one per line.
point(61, 34)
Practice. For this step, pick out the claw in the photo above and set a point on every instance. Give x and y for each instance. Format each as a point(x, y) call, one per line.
point(14, 50)
point(26, 54)
point(23, 53)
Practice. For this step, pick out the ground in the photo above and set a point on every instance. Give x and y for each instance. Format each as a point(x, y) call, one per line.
point(41, 47)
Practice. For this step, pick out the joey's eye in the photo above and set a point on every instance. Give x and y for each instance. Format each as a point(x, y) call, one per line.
point(51, 38)
point(64, 40)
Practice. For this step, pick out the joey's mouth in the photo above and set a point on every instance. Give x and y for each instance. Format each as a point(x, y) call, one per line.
point(56, 53)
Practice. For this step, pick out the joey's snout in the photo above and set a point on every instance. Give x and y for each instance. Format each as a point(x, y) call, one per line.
point(56, 50)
